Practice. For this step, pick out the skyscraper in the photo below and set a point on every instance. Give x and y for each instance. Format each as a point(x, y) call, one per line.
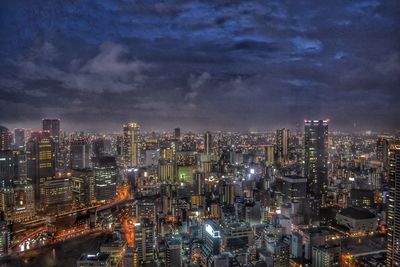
point(270, 155)
point(177, 133)
point(53, 127)
point(393, 212)
point(40, 155)
point(173, 253)
point(79, 154)
point(8, 168)
point(382, 149)
point(131, 149)
point(105, 178)
point(282, 145)
point(5, 138)
point(19, 138)
point(316, 158)
point(207, 143)
point(144, 241)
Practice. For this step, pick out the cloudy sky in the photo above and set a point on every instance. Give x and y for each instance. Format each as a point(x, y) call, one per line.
point(200, 64)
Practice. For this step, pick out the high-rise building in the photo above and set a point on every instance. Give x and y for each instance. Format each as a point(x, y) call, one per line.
point(101, 147)
point(8, 168)
point(382, 149)
point(207, 143)
point(173, 253)
point(270, 155)
point(80, 152)
point(211, 242)
point(316, 158)
point(326, 256)
point(105, 178)
point(144, 241)
point(393, 212)
point(57, 195)
point(282, 145)
point(24, 203)
point(131, 149)
point(5, 138)
point(83, 186)
point(53, 127)
point(177, 134)
point(40, 156)
point(5, 237)
point(19, 138)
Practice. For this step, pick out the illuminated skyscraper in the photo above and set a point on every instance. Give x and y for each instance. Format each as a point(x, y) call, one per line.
point(316, 158)
point(393, 212)
point(5, 138)
point(144, 241)
point(131, 149)
point(211, 241)
point(53, 127)
point(19, 138)
point(282, 145)
point(382, 149)
point(207, 143)
point(8, 168)
point(105, 178)
point(40, 155)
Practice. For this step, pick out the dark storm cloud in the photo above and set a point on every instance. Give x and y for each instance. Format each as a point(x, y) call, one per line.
point(200, 64)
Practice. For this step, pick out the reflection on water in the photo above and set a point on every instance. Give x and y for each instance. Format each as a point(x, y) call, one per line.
point(60, 255)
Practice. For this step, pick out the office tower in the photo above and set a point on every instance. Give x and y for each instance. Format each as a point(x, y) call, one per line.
point(57, 195)
point(316, 158)
point(105, 178)
point(270, 155)
point(22, 173)
point(23, 203)
point(382, 149)
point(173, 253)
point(227, 192)
point(101, 147)
point(236, 235)
point(326, 256)
point(282, 145)
point(145, 210)
point(83, 186)
point(207, 143)
point(5, 237)
point(19, 138)
point(292, 188)
point(177, 134)
point(144, 241)
point(80, 152)
point(393, 211)
point(40, 156)
point(53, 127)
point(131, 149)
point(199, 183)
point(8, 168)
point(6, 202)
point(5, 138)
point(280, 252)
point(211, 242)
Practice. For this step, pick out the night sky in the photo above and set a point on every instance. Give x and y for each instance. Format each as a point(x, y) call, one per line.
point(227, 65)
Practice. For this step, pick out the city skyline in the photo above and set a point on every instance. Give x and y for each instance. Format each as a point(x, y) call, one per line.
point(205, 66)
